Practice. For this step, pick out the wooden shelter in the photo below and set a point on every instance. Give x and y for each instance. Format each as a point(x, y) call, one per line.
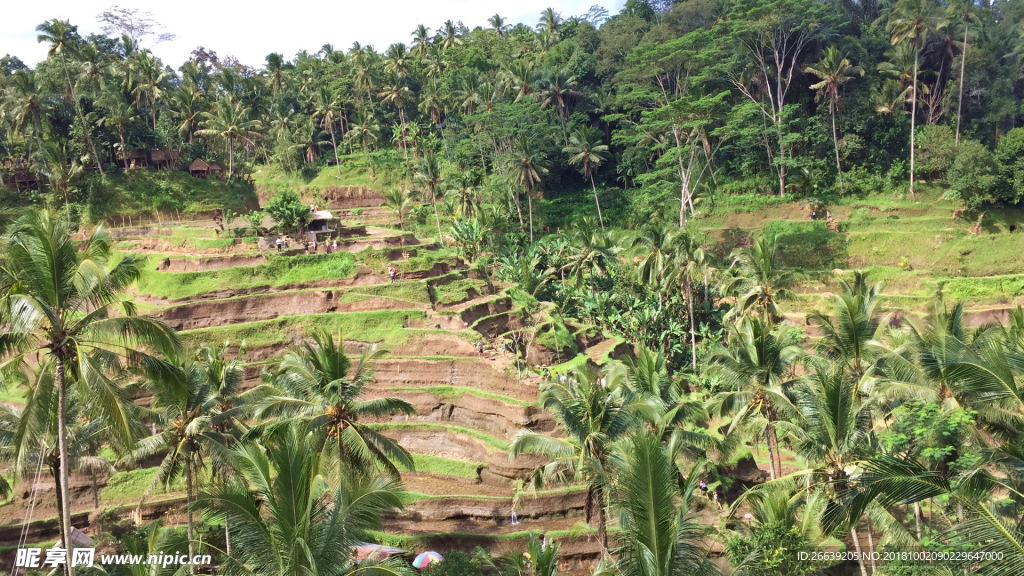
point(216, 170)
point(165, 159)
point(199, 169)
point(19, 174)
point(321, 223)
point(133, 158)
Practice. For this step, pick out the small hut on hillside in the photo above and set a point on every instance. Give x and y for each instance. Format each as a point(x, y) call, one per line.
point(165, 159)
point(133, 158)
point(321, 224)
point(199, 169)
point(216, 171)
point(20, 175)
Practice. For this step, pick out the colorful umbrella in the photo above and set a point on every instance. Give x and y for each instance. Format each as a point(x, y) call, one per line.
point(426, 559)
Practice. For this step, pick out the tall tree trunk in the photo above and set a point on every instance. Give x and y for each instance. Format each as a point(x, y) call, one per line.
point(231, 157)
point(60, 380)
point(773, 448)
point(437, 217)
point(684, 184)
point(960, 101)
point(771, 456)
point(55, 475)
point(188, 505)
point(227, 535)
point(602, 519)
point(917, 519)
point(596, 200)
point(835, 141)
point(81, 118)
point(913, 121)
point(693, 328)
point(337, 162)
point(871, 547)
point(405, 145)
point(519, 208)
point(529, 201)
point(856, 546)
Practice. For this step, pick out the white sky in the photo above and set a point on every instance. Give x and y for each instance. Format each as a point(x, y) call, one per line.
point(250, 32)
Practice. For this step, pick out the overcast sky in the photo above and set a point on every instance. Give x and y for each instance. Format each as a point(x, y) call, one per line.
point(250, 32)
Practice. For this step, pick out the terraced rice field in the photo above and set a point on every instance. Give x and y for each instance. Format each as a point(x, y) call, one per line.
point(468, 406)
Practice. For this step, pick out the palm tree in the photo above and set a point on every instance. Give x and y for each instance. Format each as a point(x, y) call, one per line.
point(852, 331)
point(593, 252)
point(658, 538)
point(586, 150)
point(398, 201)
point(327, 107)
point(314, 385)
point(450, 35)
point(835, 430)
point(187, 106)
point(964, 13)
point(30, 435)
point(366, 131)
point(22, 105)
point(64, 42)
point(593, 418)
point(889, 97)
point(833, 71)
point(396, 95)
point(499, 25)
point(655, 245)
point(231, 122)
point(761, 282)
point(200, 425)
point(119, 114)
point(429, 175)
point(752, 368)
point(691, 264)
point(421, 41)
point(470, 92)
point(432, 102)
point(309, 139)
point(150, 82)
point(285, 519)
point(558, 87)
point(397, 60)
point(60, 170)
point(275, 72)
point(62, 300)
point(528, 168)
point(549, 20)
point(521, 77)
point(910, 23)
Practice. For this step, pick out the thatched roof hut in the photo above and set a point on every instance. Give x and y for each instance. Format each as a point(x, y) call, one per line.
point(165, 158)
point(199, 169)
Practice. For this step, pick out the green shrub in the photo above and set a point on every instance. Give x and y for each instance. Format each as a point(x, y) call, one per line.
point(974, 175)
point(937, 150)
point(288, 210)
point(1010, 156)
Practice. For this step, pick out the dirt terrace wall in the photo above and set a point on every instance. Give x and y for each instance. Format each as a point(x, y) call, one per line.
point(207, 264)
point(463, 447)
point(256, 308)
point(352, 197)
point(363, 277)
point(480, 375)
point(562, 505)
point(485, 414)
